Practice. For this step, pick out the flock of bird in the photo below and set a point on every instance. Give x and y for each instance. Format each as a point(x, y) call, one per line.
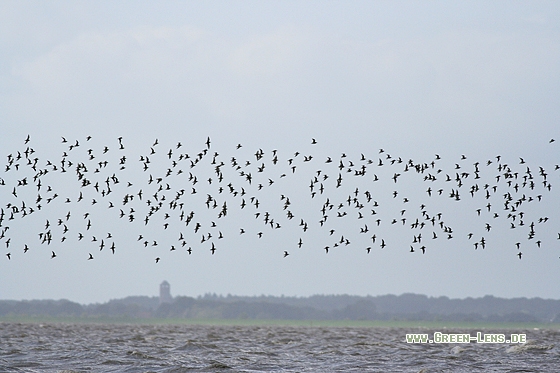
point(187, 197)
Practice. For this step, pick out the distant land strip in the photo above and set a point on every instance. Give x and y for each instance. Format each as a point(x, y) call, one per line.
point(406, 310)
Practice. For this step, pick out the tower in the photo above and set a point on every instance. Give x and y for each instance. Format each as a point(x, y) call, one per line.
point(164, 293)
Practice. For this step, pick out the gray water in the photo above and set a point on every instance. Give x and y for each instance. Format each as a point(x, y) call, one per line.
point(193, 348)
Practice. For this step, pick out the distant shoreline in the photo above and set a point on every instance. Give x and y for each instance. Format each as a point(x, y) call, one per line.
point(388, 310)
point(272, 323)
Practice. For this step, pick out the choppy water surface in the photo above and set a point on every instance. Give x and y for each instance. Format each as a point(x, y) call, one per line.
point(192, 348)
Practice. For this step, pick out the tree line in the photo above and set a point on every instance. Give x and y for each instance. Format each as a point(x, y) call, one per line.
point(317, 307)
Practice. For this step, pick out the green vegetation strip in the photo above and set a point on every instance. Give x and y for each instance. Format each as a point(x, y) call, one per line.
point(256, 322)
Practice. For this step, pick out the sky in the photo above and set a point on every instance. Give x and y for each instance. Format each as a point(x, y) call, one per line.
point(465, 80)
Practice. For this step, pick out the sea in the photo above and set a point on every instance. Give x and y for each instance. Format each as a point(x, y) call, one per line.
point(66, 347)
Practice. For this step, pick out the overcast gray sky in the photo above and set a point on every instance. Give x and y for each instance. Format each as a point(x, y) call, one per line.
point(415, 78)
